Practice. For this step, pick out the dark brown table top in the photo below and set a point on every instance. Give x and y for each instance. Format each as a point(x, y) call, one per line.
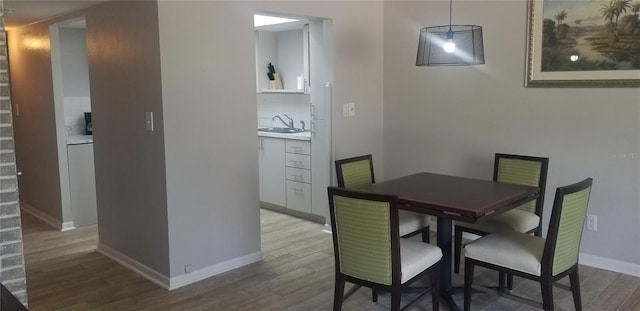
point(458, 197)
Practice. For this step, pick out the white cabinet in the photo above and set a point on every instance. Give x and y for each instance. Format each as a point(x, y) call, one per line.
point(298, 162)
point(272, 172)
point(288, 52)
point(285, 173)
point(82, 184)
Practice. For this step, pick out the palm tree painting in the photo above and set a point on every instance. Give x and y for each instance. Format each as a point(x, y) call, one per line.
point(604, 35)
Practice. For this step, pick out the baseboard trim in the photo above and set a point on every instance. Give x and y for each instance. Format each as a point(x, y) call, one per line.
point(207, 272)
point(137, 267)
point(610, 264)
point(66, 226)
point(327, 229)
point(57, 224)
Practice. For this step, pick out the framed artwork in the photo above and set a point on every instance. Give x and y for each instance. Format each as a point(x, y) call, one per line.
point(583, 43)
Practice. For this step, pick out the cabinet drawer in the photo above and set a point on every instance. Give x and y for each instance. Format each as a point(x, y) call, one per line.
point(299, 196)
point(298, 174)
point(298, 146)
point(298, 160)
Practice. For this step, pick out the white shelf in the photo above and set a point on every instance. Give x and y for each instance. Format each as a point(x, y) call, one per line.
point(282, 91)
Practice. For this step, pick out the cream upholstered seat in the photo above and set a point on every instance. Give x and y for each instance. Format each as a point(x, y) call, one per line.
point(515, 169)
point(358, 171)
point(543, 260)
point(513, 250)
point(415, 256)
point(369, 251)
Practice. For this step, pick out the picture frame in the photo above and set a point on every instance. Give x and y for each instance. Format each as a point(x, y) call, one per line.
point(588, 51)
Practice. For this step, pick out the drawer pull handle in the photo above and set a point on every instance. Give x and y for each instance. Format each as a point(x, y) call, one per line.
point(297, 163)
point(297, 190)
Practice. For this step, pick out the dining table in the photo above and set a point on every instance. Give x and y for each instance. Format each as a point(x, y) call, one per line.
point(452, 198)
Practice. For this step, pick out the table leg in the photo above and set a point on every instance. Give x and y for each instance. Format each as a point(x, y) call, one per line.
point(445, 226)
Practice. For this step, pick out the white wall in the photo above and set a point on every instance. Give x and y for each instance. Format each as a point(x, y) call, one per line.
point(75, 71)
point(296, 106)
point(453, 119)
point(199, 207)
point(210, 116)
point(75, 77)
point(289, 45)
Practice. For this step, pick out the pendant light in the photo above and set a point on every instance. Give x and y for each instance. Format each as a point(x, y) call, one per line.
point(452, 45)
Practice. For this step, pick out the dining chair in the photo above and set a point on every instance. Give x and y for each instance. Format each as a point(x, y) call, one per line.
point(369, 251)
point(358, 171)
point(532, 257)
point(527, 218)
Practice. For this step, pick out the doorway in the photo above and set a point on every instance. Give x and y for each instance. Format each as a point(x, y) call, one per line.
point(294, 77)
point(72, 106)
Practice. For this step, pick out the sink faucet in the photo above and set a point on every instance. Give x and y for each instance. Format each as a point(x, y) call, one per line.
point(289, 125)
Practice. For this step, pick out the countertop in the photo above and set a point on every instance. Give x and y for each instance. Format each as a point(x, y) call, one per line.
point(298, 136)
point(79, 139)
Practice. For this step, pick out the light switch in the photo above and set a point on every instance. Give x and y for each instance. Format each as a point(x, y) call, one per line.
point(352, 109)
point(149, 121)
point(345, 110)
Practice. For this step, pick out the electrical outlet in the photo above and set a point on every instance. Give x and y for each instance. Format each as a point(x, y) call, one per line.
point(592, 222)
point(352, 109)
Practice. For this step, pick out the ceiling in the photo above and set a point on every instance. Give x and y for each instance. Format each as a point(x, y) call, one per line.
point(26, 12)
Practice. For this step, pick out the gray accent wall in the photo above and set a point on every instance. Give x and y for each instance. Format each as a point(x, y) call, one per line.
point(35, 125)
point(12, 272)
point(131, 190)
point(452, 120)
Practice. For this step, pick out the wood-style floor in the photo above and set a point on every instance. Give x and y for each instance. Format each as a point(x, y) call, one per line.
point(64, 272)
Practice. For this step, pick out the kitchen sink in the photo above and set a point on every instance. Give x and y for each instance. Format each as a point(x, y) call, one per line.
point(280, 130)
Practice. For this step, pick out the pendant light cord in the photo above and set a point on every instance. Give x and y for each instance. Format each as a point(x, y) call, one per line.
point(450, 6)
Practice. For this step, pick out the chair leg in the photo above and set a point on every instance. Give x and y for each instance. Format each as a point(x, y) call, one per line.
point(426, 236)
point(575, 289)
point(502, 276)
point(374, 295)
point(434, 276)
point(538, 232)
point(457, 249)
point(468, 280)
point(338, 295)
point(395, 299)
point(546, 286)
point(509, 281)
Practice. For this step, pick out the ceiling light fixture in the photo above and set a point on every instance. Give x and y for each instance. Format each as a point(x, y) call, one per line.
point(450, 45)
point(265, 20)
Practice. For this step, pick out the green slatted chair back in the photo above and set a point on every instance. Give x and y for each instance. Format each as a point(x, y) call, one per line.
point(523, 170)
point(362, 234)
point(353, 172)
point(566, 226)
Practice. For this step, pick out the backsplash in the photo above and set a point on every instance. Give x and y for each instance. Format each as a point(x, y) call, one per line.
point(297, 106)
point(74, 109)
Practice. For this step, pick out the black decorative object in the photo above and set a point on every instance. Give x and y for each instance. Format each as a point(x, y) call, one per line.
point(450, 45)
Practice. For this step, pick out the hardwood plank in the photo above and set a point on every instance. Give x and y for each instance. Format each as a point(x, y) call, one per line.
point(64, 272)
point(633, 303)
point(615, 295)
